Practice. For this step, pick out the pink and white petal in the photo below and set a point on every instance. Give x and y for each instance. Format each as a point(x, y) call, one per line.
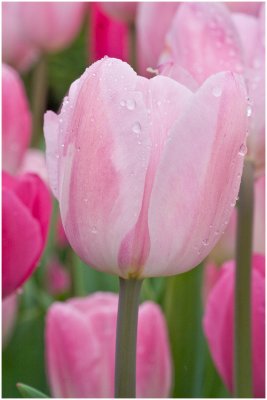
point(198, 177)
point(152, 23)
point(203, 40)
point(175, 71)
point(246, 7)
point(247, 28)
point(51, 132)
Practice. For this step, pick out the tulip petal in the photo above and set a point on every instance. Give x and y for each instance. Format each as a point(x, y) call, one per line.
point(198, 177)
point(51, 133)
point(203, 40)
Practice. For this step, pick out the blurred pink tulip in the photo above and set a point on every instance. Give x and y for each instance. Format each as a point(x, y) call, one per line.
point(34, 162)
point(246, 7)
point(205, 38)
point(152, 22)
point(9, 314)
point(17, 49)
point(26, 210)
point(50, 26)
point(122, 11)
point(80, 348)
point(16, 120)
point(61, 237)
point(211, 274)
point(218, 324)
point(108, 37)
point(225, 248)
point(58, 278)
point(164, 167)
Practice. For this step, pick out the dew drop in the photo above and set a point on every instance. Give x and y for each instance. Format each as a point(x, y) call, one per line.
point(130, 104)
point(205, 242)
point(123, 103)
point(242, 150)
point(217, 233)
point(249, 111)
point(136, 128)
point(78, 148)
point(94, 230)
point(217, 91)
point(63, 145)
point(85, 200)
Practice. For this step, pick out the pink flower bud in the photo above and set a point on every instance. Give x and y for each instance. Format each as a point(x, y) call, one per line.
point(218, 324)
point(26, 210)
point(122, 11)
point(9, 314)
point(80, 348)
point(16, 120)
point(57, 278)
point(164, 167)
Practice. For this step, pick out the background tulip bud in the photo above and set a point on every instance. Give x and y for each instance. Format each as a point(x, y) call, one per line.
point(57, 278)
point(122, 11)
point(26, 210)
point(218, 324)
point(80, 348)
point(16, 120)
point(145, 202)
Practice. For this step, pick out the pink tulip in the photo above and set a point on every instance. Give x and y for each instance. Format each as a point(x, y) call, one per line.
point(122, 11)
point(26, 209)
point(51, 26)
point(164, 167)
point(246, 7)
point(9, 314)
point(108, 37)
point(152, 22)
point(225, 248)
point(34, 162)
point(218, 324)
point(205, 38)
point(16, 120)
point(80, 348)
point(17, 49)
point(211, 274)
point(58, 278)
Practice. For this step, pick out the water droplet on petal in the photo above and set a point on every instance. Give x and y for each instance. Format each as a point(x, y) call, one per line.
point(130, 104)
point(217, 233)
point(94, 230)
point(205, 242)
point(242, 150)
point(136, 128)
point(249, 111)
point(123, 103)
point(217, 91)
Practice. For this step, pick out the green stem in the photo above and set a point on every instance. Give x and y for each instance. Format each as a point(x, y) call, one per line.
point(243, 357)
point(125, 368)
point(39, 95)
point(132, 32)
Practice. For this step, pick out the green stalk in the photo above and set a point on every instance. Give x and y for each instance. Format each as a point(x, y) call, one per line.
point(39, 95)
point(125, 367)
point(242, 337)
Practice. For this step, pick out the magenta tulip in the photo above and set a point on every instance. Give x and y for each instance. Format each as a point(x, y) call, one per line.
point(16, 120)
point(34, 162)
point(80, 348)
point(145, 202)
point(225, 248)
point(152, 22)
point(219, 318)
point(107, 37)
point(9, 314)
point(122, 11)
point(17, 49)
point(205, 38)
point(26, 210)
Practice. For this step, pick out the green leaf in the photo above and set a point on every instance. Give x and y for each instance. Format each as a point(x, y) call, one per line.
point(29, 392)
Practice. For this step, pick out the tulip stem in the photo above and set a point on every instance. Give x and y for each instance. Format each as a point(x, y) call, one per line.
point(127, 320)
point(243, 355)
point(39, 94)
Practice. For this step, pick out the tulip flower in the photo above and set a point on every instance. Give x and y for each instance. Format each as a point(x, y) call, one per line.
point(57, 278)
point(205, 38)
point(34, 162)
point(157, 190)
point(246, 7)
point(218, 324)
point(16, 120)
point(107, 37)
point(26, 210)
point(121, 11)
point(225, 248)
point(9, 314)
point(80, 348)
point(51, 26)
point(17, 49)
point(152, 23)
